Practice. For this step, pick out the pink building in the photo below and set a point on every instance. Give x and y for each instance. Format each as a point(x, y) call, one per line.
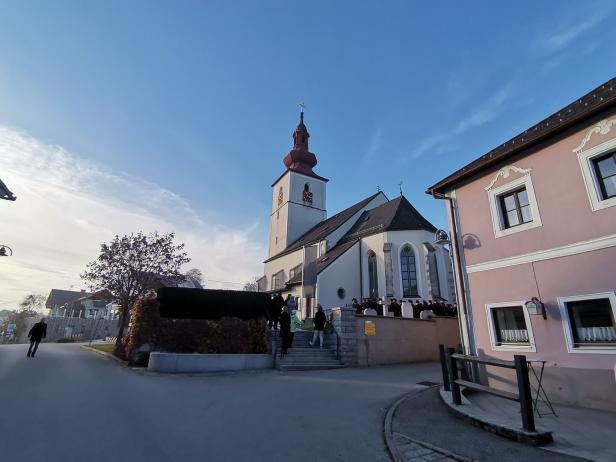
point(536, 218)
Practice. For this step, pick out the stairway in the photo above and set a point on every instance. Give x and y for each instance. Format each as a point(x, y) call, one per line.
point(303, 357)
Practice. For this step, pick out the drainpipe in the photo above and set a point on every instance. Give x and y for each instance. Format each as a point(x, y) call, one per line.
point(361, 276)
point(459, 275)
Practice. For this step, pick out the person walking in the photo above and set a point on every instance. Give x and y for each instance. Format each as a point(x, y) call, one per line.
point(295, 323)
point(36, 334)
point(319, 325)
point(285, 331)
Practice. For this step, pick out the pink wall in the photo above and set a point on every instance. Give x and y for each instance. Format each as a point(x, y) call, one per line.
point(567, 218)
point(561, 196)
point(559, 277)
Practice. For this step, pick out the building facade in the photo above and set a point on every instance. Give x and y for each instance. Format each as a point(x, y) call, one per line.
point(377, 248)
point(534, 223)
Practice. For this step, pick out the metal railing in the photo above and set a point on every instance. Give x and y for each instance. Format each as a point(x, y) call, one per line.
point(452, 382)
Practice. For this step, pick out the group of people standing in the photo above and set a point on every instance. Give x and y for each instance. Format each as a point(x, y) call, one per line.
point(284, 312)
point(374, 307)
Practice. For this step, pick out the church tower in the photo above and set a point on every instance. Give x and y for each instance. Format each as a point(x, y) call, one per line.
point(298, 195)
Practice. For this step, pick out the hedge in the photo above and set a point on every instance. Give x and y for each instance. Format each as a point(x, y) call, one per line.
point(149, 331)
point(184, 303)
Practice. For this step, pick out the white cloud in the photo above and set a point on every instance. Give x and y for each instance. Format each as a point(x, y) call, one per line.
point(66, 207)
point(573, 28)
point(375, 145)
point(484, 113)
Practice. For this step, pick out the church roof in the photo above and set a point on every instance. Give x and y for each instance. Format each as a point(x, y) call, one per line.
point(395, 215)
point(325, 260)
point(326, 227)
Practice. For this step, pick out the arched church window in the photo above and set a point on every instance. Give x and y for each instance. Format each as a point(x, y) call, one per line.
point(373, 278)
point(307, 194)
point(280, 196)
point(408, 268)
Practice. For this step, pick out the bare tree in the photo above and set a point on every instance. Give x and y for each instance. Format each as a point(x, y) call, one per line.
point(129, 266)
point(251, 285)
point(196, 274)
point(32, 302)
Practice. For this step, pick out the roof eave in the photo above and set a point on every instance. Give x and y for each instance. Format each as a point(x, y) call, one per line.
point(518, 144)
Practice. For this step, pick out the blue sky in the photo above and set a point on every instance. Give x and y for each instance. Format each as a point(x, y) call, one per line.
point(186, 109)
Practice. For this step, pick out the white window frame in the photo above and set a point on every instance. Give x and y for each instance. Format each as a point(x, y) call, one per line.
point(492, 328)
point(498, 221)
point(591, 182)
point(564, 315)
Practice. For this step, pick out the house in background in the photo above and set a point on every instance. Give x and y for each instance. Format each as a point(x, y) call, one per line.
point(534, 229)
point(92, 305)
point(58, 298)
point(376, 248)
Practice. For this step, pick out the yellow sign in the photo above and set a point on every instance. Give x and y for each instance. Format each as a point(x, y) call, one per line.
point(369, 328)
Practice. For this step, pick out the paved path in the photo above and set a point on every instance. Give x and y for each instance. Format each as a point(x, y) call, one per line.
point(70, 404)
point(437, 428)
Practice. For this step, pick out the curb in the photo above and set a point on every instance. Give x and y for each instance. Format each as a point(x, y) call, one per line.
point(388, 433)
point(107, 355)
point(538, 438)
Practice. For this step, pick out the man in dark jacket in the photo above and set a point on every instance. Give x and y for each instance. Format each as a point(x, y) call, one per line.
point(285, 331)
point(36, 334)
point(276, 305)
point(319, 325)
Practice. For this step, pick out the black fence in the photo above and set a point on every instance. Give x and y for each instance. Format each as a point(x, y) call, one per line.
point(450, 361)
point(184, 303)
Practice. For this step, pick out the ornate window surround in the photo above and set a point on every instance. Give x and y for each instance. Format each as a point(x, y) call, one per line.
point(585, 158)
point(525, 180)
point(491, 328)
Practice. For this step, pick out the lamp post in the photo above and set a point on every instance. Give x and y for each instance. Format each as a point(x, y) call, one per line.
point(3, 249)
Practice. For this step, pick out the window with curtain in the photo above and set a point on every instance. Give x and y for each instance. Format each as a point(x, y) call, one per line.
point(408, 269)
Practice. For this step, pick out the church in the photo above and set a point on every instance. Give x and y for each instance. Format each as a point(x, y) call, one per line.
point(377, 248)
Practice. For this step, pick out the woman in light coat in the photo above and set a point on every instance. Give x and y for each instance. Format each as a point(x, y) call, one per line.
point(295, 323)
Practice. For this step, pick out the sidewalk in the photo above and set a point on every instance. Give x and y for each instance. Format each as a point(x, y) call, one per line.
point(424, 430)
point(577, 431)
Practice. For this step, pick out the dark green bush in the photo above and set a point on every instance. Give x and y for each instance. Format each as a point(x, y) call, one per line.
point(151, 332)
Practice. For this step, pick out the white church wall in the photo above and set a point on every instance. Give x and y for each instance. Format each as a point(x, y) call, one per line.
point(279, 217)
point(283, 182)
point(317, 187)
point(374, 243)
point(417, 239)
point(399, 239)
point(343, 273)
point(278, 230)
point(445, 274)
point(301, 219)
point(336, 235)
point(284, 263)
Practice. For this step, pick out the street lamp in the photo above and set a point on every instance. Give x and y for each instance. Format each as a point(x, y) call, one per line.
point(3, 248)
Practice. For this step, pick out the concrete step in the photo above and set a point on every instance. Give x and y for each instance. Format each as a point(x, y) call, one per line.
point(308, 367)
point(307, 358)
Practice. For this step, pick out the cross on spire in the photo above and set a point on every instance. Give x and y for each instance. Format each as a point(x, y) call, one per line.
point(302, 106)
point(400, 186)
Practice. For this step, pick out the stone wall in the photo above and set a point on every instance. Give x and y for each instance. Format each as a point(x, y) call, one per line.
point(343, 320)
point(395, 340)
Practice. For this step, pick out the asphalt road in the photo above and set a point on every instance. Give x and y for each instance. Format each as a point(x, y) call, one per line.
point(70, 404)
